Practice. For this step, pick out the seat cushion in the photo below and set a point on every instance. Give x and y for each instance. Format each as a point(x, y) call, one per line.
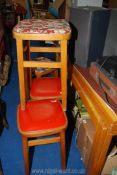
point(42, 26)
point(41, 116)
point(46, 87)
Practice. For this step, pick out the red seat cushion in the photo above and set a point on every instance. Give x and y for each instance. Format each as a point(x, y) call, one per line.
point(46, 87)
point(41, 115)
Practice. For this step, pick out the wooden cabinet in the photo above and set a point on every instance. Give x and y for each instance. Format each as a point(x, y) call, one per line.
point(102, 115)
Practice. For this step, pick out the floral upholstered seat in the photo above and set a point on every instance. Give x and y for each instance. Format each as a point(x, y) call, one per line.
point(42, 26)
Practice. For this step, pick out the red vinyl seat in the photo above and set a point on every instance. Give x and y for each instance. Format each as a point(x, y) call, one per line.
point(41, 116)
point(46, 88)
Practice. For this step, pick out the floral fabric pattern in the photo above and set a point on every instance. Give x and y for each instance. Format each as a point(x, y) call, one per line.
point(43, 26)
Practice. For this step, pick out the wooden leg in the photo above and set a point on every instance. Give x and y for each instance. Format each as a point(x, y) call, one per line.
point(63, 151)
point(25, 153)
point(94, 166)
point(103, 151)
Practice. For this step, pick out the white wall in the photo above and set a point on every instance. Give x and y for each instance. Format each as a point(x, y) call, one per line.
point(87, 3)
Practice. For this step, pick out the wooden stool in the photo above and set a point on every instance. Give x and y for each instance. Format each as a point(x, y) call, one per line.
point(43, 30)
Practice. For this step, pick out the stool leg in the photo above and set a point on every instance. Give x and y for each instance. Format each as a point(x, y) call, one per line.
point(63, 151)
point(25, 153)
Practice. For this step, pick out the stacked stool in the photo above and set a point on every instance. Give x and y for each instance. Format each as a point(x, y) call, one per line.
point(42, 100)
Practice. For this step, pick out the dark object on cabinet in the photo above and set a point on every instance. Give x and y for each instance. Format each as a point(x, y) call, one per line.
point(89, 24)
point(104, 72)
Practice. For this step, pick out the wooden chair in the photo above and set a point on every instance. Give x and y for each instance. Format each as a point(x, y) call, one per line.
point(38, 118)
